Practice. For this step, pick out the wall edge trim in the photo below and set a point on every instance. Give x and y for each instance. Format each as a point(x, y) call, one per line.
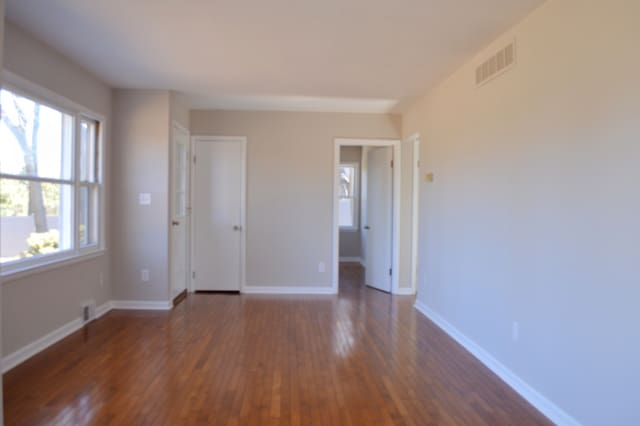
point(147, 305)
point(287, 290)
point(353, 259)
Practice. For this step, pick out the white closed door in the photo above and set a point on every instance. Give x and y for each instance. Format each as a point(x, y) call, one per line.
point(218, 192)
point(378, 226)
point(179, 209)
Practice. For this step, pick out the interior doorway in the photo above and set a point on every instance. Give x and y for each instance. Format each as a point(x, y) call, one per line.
point(367, 210)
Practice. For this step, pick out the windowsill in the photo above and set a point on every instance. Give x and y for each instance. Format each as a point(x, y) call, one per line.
point(27, 270)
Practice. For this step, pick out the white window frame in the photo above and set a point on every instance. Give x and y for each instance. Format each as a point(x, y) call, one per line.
point(98, 184)
point(356, 195)
point(23, 87)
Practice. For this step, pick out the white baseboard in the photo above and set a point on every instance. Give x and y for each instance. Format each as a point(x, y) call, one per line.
point(142, 305)
point(103, 309)
point(404, 291)
point(351, 259)
point(546, 407)
point(26, 352)
point(287, 290)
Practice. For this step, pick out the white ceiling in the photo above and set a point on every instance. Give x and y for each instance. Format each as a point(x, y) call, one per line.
point(341, 55)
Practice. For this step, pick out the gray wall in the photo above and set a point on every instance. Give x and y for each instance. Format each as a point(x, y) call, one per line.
point(290, 186)
point(141, 165)
point(533, 214)
point(37, 304)
point(179, 110)
point(350, 244)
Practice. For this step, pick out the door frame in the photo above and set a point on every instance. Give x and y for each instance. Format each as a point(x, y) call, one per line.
point(176, 125)
point(242, 140)
point(395, 227)
point(415, 200)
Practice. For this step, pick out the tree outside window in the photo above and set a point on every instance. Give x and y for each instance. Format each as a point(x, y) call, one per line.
point(36, 186)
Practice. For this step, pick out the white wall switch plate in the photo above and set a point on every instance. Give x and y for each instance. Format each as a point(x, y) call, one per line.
point(321, 267)
point(144, 275)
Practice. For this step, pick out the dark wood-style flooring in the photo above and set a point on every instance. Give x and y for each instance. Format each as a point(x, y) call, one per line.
point(360, 358)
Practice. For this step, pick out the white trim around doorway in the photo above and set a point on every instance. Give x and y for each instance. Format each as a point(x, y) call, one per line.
point(415, 201)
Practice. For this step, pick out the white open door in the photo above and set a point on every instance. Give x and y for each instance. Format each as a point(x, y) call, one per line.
point(218, 215)
point(379, 218)
point(179, 209)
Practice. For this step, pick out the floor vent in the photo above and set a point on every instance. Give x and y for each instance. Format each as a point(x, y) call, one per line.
point(497, 64)
point(88, 311)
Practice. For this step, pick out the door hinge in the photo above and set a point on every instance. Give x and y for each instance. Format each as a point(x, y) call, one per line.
point(194, 159)
point(390, 271)
point(392, 164)
point(193, 275)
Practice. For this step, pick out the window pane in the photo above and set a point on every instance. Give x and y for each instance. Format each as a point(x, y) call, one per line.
point(346, 212)
point(89, 150)
point(36, 218)
point(88, 215)
point(347, 181)
point(35, 140)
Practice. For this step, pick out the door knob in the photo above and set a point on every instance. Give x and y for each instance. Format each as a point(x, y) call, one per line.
point(237, 228)
point(366, 227)
point(175, 223)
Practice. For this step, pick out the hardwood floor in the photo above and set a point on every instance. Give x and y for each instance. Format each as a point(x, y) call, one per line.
point(361, 358)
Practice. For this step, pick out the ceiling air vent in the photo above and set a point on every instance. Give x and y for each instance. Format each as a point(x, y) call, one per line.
point(496, 64)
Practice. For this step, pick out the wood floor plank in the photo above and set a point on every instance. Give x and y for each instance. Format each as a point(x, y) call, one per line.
point(360, 358)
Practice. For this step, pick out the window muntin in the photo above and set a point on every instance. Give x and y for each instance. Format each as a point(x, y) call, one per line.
point(50, 188)
point(348, 196)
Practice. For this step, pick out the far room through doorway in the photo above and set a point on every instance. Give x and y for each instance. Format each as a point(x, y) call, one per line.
point(375, 223)
point(364, 214)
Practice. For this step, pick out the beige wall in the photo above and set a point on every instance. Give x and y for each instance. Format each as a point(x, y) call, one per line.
point(140, 165)
point(350, 244)
point(533, 214)
point(290, 186)
point(41, 64)
point(179, 109)
point(38, 304)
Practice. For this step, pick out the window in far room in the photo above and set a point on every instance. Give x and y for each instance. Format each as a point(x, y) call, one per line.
point(348, 197)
